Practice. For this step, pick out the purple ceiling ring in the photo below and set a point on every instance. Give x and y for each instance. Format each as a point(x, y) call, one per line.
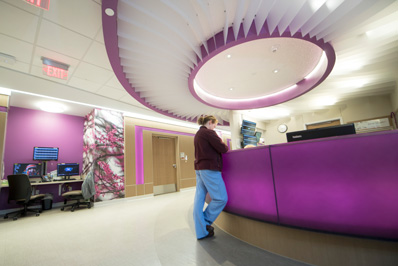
point(216, 45)
point(109, 25)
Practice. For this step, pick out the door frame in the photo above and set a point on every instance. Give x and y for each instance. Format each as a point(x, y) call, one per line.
point(176, 149)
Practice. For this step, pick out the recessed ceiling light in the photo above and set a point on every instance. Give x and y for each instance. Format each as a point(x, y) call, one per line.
point(109, 12)
point(5, 91)
point(231, 89)
point(229, 56)
point(276, 71)
point(52, 107)
point(275, 48)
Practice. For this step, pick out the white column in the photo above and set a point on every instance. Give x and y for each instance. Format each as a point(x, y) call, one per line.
point(235, 122)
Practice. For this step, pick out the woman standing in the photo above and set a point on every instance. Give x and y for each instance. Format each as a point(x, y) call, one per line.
point(208, 166)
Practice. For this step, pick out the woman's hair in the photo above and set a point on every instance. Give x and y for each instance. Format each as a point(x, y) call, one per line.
point(202, 120)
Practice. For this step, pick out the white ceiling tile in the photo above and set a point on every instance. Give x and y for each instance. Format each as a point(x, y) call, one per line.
point(18, 66)
point(38, 72)
point(61, 40)
point(17, 23)
point(84, 84)
point(100, 37)
point(11, 46)
point(110, 92)
point(93, 73)
point(97, 55)
point(114, 83)
point(80, 16)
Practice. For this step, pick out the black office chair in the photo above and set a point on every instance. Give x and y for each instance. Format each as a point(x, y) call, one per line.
point(82, 197)
point(20, 191)
point(77, 196)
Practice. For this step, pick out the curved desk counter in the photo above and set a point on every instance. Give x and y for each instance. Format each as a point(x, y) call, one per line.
point(345, 185)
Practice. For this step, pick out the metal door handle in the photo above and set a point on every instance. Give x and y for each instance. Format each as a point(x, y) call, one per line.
point(174, 165)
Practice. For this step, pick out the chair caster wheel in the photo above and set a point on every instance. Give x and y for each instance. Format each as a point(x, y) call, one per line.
point(62, 208)
point(37, 214)
point(15, 218)
point(5, 216)
point(72, 210)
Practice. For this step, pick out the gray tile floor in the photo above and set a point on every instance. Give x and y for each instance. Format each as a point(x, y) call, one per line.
point(142, 231)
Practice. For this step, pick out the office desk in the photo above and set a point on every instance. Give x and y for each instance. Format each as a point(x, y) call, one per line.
point(56, 188)
point(59, 183)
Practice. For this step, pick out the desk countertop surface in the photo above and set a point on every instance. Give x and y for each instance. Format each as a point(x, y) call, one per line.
point(49, 183)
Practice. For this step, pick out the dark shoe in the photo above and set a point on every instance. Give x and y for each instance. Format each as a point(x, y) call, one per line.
point(209, 228)
point(211, 233)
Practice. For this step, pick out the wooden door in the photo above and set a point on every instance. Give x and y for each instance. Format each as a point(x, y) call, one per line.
point(164, 165)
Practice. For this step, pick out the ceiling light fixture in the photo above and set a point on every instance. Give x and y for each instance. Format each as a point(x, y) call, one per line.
point(318, 66)
point(6, 58)
point(5, 91)
point(201, 91)
point(275, 48)
point(109, 12)
point(52, 107)
point(276, 71)
point(229, 56)
point(231, 89)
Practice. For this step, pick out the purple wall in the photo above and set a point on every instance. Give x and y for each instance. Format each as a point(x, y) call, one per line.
point(27, 128)
point(344, 184)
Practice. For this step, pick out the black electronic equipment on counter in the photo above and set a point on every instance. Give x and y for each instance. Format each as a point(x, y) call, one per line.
point(324, 132)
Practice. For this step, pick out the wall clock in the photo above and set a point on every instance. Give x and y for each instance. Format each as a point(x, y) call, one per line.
point(282, 128)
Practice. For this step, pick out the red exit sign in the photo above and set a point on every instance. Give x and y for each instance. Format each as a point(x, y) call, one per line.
point(55, 72)
point(45, 4)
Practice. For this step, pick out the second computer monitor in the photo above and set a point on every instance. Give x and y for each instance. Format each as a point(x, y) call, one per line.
point(68, 169)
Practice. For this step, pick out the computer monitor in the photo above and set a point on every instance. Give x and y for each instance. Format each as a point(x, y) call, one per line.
point(258, 136)
point(29, 169)
point(45, 153)
point(68, 169)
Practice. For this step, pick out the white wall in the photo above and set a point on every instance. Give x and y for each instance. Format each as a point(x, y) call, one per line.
point(350, 111)
point(394, 100)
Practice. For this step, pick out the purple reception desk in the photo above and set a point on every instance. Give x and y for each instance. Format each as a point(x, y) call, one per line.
point(346, 185)
point(248, 178)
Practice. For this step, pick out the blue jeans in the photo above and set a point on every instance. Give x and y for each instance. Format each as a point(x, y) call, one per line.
point(212, 182)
